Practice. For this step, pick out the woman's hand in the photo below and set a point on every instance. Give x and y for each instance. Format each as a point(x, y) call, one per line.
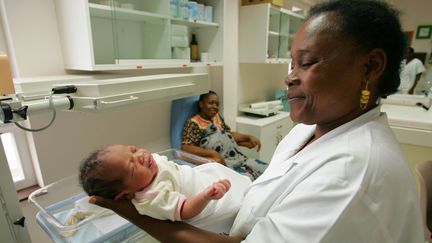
point(214, 155)
point(255, 142)
point(162, 230)
point(206, 153)
point(122, 207)
point(247, 140)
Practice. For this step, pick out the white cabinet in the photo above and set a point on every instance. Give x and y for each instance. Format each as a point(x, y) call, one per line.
point(266, 33)
point(132, 34)
point(269, 130)
point(98, 95)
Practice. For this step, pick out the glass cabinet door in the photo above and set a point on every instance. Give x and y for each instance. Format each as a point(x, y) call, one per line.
point(266, 33)
point(273, 34)
point(102, 27)
point(129, 31)
point(283, 51)
point(142, 30)
point(294, 25)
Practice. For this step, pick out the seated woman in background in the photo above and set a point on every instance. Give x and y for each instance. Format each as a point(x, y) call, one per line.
point(206, 134)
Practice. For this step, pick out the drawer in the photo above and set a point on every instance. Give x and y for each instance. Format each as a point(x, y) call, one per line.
point(282, 126)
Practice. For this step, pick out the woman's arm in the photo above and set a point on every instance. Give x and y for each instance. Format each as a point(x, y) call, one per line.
point(417, 78)
point(190, 140)
point(206, 153)
point(246, 140)
point(162, 230)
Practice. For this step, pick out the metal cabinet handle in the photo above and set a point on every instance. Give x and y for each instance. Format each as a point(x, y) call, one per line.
point(278, 138)
point(131, 98)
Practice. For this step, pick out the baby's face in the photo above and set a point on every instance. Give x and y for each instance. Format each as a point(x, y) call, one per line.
point(135, 166)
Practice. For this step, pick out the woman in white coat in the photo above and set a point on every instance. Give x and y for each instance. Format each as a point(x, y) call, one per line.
point(340, 175)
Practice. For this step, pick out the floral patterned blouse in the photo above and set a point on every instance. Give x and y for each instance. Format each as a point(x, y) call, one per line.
point(195, 127)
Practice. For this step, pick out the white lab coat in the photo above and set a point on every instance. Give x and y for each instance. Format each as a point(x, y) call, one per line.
point(351, 185)
point(408, 74)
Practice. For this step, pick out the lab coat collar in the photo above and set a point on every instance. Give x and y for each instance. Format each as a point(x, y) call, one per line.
point(286, 156)
point(359, 121)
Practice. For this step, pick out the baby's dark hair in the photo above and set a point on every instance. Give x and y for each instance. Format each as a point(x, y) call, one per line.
point(93, 181)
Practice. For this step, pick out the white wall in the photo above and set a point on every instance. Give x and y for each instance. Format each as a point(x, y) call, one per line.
point(35, 45)
point(231, 73)
point(2, 41)
point(258, 82)
point(74, 134)
point(413, 14)
point(36, 51)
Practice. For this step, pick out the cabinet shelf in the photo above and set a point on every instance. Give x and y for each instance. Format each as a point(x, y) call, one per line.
point(103, 11)
point(146, 64)
point(193, 23)
point(97, 37)
point(277, 34)
point(273, 33)
point(98, 95)
point(277, 60)
point(266, 33)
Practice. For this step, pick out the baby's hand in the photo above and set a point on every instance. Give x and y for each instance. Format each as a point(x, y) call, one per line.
point(218, 189)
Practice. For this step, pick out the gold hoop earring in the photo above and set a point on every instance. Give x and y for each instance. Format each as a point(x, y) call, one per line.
point(364, 99)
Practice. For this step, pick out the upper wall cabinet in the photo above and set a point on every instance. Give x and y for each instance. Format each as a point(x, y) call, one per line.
point(266, 33)
point(136, 34)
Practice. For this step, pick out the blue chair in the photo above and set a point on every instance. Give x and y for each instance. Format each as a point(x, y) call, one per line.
point(181, 110)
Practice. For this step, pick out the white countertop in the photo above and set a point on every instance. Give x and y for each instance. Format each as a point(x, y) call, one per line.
point(408, 116)
point(411, 124)
point(262, 121)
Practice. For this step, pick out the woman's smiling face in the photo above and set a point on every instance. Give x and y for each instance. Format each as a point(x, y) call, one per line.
point(209, 106)
point(327, 72)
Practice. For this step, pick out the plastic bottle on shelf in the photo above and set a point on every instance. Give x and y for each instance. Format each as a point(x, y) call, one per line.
point(194, 48)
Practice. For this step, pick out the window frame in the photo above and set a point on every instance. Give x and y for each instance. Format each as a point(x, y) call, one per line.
point(21, 144)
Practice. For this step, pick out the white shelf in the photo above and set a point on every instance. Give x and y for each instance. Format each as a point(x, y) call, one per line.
point(277, 60)
point(193, 23)
point(408, 116)
point(95, 36)
point(139, 66)
point(104, 11)
point(98, 95)
point(262, 121)
point(411, 124)
point(274, 33)
point(266, 33)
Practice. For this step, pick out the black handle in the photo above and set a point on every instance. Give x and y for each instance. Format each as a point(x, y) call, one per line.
point(67, 89)
point(20, 221)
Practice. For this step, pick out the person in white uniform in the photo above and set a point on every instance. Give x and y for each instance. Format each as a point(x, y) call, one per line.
point(340, 174)
point(412, 69)
point(200, 195)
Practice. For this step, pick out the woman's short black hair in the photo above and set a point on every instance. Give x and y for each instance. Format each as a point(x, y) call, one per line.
point(203, 96)
point(371, 24)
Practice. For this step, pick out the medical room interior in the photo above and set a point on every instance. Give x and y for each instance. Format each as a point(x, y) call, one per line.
point(118, 65)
